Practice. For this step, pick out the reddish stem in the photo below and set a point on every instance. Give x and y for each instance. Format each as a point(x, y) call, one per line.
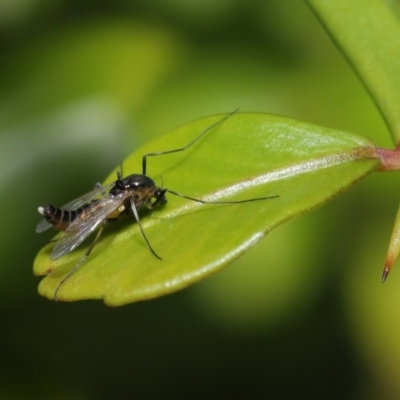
point(390, 159)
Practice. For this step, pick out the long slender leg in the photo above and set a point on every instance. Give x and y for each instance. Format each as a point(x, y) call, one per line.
point(135, 213)
point(219, 202)
point(161, 153)
point(81, 261)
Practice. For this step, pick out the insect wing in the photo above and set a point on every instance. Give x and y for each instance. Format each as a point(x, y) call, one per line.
point(76, 203)
point(85, 223)
point(88, 197)
point(43, 225)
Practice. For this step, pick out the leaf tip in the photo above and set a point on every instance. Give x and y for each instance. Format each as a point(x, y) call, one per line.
point(388, 267)
point(385, 273)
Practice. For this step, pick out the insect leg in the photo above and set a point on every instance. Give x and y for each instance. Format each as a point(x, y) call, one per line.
point(219, 202)
point(161, 153)
point(81, 261)
point(135, 213)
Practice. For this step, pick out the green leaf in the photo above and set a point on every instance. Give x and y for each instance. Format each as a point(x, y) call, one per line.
point(394, 247)
point(368, 34)
point(246, 156)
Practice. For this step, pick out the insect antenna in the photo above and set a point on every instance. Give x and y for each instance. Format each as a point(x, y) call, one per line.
point(81, 261)
point(161, 153)
point(219, 202)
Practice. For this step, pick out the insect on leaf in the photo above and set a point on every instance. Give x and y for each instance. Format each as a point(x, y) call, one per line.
point(246, 156)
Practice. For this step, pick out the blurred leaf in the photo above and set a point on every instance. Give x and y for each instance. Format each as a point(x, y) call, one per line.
point(247, 156)
point(373, 308)
point(368, 33)
point(121, 60)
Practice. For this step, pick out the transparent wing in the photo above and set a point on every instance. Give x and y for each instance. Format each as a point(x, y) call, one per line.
point(42, 226)
point(76, 203)
point(88, 197)
point(85, 223)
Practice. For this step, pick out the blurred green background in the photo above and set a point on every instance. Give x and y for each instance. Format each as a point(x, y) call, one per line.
point(303, 315)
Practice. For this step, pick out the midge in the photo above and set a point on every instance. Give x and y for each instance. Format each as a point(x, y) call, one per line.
point(123, 197)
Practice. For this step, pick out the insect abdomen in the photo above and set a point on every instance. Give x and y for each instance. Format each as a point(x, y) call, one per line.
point(58, 217)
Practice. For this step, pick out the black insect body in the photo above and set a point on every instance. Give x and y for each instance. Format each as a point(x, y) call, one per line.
point(142, 188)
point(123, 197)
point(57, 217)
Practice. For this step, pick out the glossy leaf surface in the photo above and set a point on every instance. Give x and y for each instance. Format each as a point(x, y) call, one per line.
point(368, 34)
point(246, 156)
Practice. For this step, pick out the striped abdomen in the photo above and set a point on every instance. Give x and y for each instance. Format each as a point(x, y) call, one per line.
point(59, 218)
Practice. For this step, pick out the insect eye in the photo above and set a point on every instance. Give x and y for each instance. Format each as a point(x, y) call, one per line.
point(160, 196)
point(119, 184)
